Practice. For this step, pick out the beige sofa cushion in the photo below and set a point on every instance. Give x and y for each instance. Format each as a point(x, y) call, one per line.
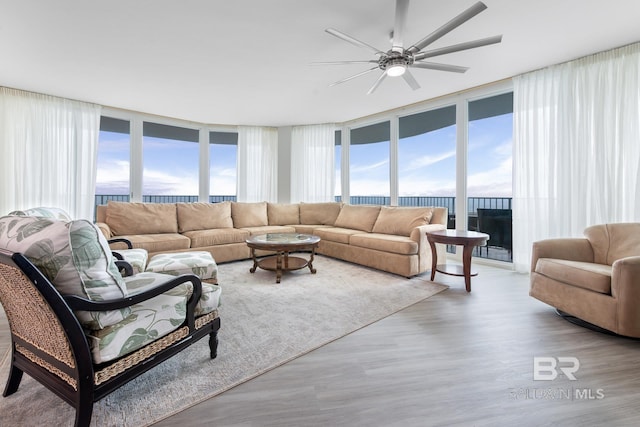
point(141, 218)
point(400, 220)
point(217, 236)
point(385, 243)
point(591, 276)
point(203, 216)
point(247, 214)
point(358, 217)
point(159, 242)
point(283, 214)
point(319, 213)
point(338, 235)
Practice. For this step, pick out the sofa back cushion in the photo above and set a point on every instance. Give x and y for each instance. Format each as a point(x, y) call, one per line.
point(358, 217)
point(203, 216)
point(611, 242)
point(319, 213)
point(249, 214)
point(283, 214)
point(125, 218)
point(400, 220)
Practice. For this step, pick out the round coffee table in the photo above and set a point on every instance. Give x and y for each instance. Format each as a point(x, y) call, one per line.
point(468, 240)
point(282, 244)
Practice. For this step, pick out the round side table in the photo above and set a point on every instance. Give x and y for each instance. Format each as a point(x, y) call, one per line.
point(468, 240)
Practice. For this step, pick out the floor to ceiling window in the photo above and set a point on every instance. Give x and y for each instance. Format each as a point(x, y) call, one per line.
point(369, 164)
point(223, 155)
point(113, 164)
point(489, 173)
point(170, 163)
point(427, 159)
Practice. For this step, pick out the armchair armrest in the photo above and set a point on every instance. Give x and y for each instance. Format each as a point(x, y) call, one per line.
point(625, 280)
point(625, 288)
point(121, 240)
point(124, 267)
point(78, 303)
point(571, 249)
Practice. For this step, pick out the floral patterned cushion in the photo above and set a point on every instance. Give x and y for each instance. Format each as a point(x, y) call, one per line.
point(73, 255)
point(137, 257)
point(44, 212)
point(200, 263)
point(151, 319)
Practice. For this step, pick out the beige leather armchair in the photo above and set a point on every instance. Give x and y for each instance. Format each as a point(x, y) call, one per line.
point(596, 278)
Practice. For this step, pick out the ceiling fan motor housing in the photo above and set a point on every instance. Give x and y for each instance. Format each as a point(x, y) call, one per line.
point(394, 59)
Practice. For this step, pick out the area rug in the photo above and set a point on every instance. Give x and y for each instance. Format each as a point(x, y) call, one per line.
point(264, 325)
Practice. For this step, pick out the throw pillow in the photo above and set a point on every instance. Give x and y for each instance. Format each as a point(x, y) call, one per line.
point(400, 220)
point(357, 217)
point(319, 213)
point(247, 214)
point(283, 214)
point(203, 216)
point(127, 218)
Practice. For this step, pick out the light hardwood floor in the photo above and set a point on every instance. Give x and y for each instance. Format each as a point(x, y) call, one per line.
point(455, 359)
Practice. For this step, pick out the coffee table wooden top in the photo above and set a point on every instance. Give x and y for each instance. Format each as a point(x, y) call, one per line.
point(458, 237)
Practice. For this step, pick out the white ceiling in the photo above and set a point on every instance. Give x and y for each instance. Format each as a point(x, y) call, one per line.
point(248, 61)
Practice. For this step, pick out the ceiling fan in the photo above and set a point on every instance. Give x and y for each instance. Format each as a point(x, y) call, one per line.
point(397, 61)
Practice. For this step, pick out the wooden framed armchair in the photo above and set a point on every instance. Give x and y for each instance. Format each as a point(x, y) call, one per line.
point(77, 326)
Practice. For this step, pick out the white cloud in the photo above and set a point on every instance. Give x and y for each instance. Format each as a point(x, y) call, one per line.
point(495, 182)
point(368, 168)
point(424, 161)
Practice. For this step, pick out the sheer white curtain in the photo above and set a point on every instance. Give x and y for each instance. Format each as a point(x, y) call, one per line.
point(257, 178)
point(313, 163)
point(576, 148)
point(48, 150)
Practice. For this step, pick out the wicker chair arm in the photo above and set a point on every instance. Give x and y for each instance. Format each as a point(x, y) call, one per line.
point(76, 302)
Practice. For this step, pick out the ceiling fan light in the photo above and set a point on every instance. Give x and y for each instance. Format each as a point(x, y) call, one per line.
point(396, 70)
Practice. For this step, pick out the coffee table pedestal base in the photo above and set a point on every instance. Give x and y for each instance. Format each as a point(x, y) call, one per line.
point(282, 262)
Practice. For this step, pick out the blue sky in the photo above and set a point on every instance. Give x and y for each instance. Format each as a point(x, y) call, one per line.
point(427, 164)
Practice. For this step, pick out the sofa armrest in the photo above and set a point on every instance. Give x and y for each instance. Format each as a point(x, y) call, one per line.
point(106, 230)
point(571, 249)
point(419, 234)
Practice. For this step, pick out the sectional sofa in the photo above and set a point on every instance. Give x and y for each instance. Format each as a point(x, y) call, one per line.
point(387, 238)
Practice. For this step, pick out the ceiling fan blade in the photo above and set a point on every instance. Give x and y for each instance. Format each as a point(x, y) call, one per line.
point(354, 76)
point(377, 83)
point(439, 67)
point(449, 26)
point(348, 38)
point(458, 47)
point(411, 81)
point(402, 9)
point(373, 61)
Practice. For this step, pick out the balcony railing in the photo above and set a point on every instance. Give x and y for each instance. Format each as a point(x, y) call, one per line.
point(491, 215)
